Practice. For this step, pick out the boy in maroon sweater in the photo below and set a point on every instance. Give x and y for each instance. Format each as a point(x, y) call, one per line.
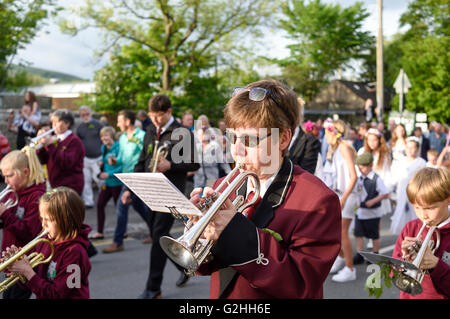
point(429, 192)
point(66, 275)
point(64, 155)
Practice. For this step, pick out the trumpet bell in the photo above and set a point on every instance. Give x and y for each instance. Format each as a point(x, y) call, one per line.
point(408, 284)
point(179, 253)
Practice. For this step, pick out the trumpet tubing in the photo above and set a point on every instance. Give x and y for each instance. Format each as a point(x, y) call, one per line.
point(35, 260)
point(158, 153)
point(34, 141)
point(410, 281)
point(189, 250)
point(9, 202)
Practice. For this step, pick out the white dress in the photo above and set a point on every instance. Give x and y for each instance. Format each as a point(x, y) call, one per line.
point(336, 176)
point(398, 158)
point(404, 211)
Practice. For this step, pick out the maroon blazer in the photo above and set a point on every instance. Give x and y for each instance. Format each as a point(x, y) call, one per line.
point(287, 248)
point(65, 163)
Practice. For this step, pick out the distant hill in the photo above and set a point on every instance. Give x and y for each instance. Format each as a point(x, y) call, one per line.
point(48, 74)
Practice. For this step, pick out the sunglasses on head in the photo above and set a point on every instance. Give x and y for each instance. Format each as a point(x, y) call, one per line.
point(255, 93)
point(247, 140)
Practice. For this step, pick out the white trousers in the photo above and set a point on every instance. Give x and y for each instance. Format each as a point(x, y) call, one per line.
point(91, 170)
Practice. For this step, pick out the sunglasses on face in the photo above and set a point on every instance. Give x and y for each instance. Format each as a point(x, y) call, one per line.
point(247, 140)
point(255, 93)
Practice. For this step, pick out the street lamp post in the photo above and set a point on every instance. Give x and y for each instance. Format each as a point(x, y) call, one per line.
point(380, 84)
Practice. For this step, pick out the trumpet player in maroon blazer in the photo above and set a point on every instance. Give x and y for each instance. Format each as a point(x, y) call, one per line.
point(63, 155)
point(287, 244)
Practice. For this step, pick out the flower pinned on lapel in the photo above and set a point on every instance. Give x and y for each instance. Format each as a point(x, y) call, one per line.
point(275, 235)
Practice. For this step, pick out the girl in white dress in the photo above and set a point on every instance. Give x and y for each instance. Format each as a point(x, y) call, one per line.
point(397, 148)
point(340, 175)
point(404, 211)
point(375, 144)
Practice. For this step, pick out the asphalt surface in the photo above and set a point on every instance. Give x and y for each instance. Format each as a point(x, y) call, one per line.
point(123, 275)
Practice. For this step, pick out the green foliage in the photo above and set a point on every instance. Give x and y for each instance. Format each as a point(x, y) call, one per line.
point(422, 52)
point(127, 81)
point(328, 38)
point(374, 283)
point(184, 36)
point(20, 20)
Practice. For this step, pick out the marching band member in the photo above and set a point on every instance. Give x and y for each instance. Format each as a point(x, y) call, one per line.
point(429, 193)
point(23, 173)
point(62, 213)
point(164, 128)
point(64, 155)
point(286, 247)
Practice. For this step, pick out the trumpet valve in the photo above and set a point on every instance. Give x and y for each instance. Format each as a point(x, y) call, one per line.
point(208, 202)
point(414, 248)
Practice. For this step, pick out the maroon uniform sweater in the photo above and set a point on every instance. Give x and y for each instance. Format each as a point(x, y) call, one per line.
point(66, 275)
point(21, 223)
point(65, 163)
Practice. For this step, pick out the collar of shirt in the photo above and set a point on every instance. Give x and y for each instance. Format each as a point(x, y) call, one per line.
point(263, 187)
point(169, 122)
point(297, 130)
point(369, 176)
point(62, 137)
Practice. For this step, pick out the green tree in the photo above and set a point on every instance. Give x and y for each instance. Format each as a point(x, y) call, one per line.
point(328, 38)
point(422, 52)
point(127, 81)
point(20, 20)
point(185, 36)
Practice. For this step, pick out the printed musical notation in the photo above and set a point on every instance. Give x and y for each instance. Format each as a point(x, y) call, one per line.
point(158, 193)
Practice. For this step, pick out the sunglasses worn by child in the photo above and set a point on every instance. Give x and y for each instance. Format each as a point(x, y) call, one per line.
point(247, 140)
point(255, 93)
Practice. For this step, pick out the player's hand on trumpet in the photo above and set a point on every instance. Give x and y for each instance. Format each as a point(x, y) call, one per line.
point(220, 219)
point(429, 260)
point(46, 140)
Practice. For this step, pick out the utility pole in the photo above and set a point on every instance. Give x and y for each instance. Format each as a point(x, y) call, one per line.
point(380, 74)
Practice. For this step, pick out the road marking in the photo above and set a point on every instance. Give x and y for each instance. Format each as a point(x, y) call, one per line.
point(104, 242)
point(386, 249)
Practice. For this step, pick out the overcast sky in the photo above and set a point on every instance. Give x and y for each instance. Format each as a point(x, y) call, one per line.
point(55, 51)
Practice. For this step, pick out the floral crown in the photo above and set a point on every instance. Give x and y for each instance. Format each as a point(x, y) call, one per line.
point(373, 131)
point(329, 126)
point(309, 126)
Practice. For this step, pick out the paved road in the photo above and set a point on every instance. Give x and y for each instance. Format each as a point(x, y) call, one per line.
point(123, 275)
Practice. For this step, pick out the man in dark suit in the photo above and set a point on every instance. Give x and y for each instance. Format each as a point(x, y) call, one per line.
point(165, 129)
point(423, 141)
point(304, 149)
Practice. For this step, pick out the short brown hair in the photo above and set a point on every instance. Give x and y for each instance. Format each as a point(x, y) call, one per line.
point(108, 130)
point(429, 186)
point(66, 207)
point(159, 103)
point(240, 111)
point(128, 114)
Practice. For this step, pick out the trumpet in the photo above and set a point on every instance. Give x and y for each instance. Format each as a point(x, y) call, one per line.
point(35, 260)
point(158, 152)
point(189, 250)
point(33, 142)
point(410, 281)
point(10, 202)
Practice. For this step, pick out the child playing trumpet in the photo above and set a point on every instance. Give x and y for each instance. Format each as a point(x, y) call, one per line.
point(23, 173)
point(429, 192)
point(62, 213)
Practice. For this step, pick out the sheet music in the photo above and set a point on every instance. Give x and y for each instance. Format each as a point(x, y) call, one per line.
point(158, 193)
